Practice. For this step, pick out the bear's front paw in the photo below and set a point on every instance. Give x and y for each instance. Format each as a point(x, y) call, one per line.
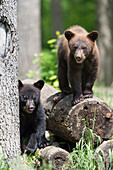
point(88, 94)
point(31, 148)
point(32, 144)
point(77, 100)
point(44, 143)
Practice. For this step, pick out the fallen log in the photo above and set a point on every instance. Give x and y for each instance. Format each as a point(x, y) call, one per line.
point(66, 121)
point(106, 150)
point(56, 155)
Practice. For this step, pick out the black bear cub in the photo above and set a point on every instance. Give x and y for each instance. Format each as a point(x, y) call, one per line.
point(78, 60)
point(32, 116)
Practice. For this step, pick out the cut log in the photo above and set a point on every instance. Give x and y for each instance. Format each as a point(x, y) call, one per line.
point(67, 122)
point(56, 155)
point(107, 149)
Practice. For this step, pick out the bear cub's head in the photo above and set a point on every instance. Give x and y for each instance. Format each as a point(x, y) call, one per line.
point(29, 96)
point(81, 44)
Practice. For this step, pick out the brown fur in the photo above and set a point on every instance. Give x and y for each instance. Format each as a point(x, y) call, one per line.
point(78, 60)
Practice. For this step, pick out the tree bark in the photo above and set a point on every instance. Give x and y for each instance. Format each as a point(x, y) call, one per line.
point(67, 121)
point(56, 13)
point(105, 41)
point(29, 36)
point(107, 148)
point(9, 104)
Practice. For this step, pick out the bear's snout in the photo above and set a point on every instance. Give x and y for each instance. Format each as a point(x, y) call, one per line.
point(79, 56)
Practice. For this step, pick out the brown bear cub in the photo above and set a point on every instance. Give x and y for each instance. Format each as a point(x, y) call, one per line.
point(78, 60)
point(32, 116)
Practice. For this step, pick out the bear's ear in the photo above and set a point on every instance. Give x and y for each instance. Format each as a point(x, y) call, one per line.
point(39, 84)
point(93, 35)
point(20, 84)
point(68, 35)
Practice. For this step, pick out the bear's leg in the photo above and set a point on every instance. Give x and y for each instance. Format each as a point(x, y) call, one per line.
point(63, 79)
point(76, 82)
point(21, 143)
point(89, 77)
point(63, 82)
point(88, 92)
point(32, 143)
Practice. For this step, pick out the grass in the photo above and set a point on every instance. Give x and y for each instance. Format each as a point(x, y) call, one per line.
point(105, 94)
point(83, 156)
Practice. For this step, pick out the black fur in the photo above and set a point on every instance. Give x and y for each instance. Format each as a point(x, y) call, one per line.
point(32, 116)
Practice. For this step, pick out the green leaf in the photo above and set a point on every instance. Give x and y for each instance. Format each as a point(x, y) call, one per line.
point(35, 54)
point(51, 41)
point(54, 51)
point(53, 77)
point(35, 60)
point(56, 83)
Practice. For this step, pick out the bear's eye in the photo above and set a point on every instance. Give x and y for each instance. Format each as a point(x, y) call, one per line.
point(25, 97)
point(84, 48)
point(74, 48)
point(34, 98)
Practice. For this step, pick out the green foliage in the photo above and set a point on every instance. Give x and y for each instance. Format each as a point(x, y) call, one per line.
point(21, 163)
point(80, 12)
point(83, 156)
point(3, 163)
point(46, 166)
point(111, 159)
point(48, 61)
point(74, 12)
point(104, 93)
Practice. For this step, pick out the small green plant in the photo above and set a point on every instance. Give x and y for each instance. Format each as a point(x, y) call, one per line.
point(48, 63)
point(46, 166)
point(111, 159)
point(83, 157)
point(3, 163)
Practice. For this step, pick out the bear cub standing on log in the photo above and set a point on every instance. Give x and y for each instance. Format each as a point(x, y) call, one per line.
point(32, 116)
point(78, 60)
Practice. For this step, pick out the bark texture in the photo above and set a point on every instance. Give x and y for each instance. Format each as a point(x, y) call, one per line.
point(56, 155)
point(67, 121)
point(29, 35)
point(107, 148)
point(56, 14)
point(105, 41)
point(9, 107)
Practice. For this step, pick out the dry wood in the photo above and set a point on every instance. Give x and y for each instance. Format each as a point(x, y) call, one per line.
point(56, 155)
point(67, 121)
point(106, 147)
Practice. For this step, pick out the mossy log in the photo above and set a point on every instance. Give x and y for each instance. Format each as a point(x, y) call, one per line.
point(66, 121)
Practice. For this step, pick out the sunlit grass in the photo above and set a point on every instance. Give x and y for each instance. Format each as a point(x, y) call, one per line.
point(105, 94)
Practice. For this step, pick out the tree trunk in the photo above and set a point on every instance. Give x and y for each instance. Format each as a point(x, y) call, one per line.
point(56, 13)
point(105, 41)
point(29, 35)
point(67, 121)
point(9, 107)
